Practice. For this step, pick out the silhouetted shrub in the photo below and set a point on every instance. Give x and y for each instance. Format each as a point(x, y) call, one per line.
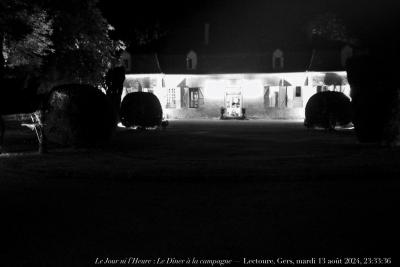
point(327, 109)
point(141, 109)
point(79, 115)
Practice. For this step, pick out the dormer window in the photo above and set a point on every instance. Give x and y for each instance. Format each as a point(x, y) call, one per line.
point(191, 60)
point(189, 63)
point(277, 60)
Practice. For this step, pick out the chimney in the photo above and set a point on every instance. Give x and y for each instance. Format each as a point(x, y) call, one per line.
point(206, 33)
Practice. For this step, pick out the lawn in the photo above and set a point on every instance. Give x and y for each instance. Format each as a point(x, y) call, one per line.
point(207, 189)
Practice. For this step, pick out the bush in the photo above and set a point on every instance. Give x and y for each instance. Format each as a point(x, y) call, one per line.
point(79, 115)
point(141, 109)
point(327, 109)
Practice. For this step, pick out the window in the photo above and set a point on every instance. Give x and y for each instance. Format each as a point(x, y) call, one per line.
point(319, 88)
point(277, 60)
point(195, 97)
point(191, 60)
point(277, 63)
point(189, 63)
point(298, 91)
point(171, 98)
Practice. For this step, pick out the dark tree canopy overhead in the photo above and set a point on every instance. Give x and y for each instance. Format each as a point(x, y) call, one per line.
point(84, 50)
point(65, 41)
point(328, 26)
point(25, 34)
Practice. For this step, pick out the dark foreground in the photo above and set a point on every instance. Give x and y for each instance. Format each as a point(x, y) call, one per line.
point(206, 189)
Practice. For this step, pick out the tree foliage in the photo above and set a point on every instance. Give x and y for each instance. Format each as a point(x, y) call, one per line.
point(66, 41)
point(25, 34)
point(328, 27)
point(30, 50)
point(84, 50)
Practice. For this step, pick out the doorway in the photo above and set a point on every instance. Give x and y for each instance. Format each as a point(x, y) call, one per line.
point(233, 104)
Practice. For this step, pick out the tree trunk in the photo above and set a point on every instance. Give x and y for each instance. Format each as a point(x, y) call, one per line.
point(115, 82)
point(2, 60)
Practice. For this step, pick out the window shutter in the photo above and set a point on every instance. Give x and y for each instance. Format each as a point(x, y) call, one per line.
point(201, 97)
point(266, 97)
point(185, 97)
point(282, 97)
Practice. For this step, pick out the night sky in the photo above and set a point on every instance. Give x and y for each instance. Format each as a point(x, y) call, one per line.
point(251, 24)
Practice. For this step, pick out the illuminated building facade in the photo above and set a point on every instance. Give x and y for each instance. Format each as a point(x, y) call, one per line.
point(275, 85)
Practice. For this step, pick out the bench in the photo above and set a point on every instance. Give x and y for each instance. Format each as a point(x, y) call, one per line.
point(33, 121)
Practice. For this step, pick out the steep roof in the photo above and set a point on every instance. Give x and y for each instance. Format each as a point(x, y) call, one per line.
point(256, 62)
point(326, 60)
point(144, 63)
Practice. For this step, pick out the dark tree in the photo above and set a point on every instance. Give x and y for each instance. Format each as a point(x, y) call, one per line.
point(64, 41)
point(333, 79)
point(327, 27)
point(83, 48)
point(374, 99)
point(25, 34)
point(115, 78)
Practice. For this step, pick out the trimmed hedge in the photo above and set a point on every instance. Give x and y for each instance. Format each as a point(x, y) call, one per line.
point(327, 109)
point(79, 115)
point(141, 109)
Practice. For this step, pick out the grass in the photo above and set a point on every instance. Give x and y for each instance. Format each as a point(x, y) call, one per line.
point(208, 189)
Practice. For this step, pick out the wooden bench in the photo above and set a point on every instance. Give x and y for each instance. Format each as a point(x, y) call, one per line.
point(34, 122)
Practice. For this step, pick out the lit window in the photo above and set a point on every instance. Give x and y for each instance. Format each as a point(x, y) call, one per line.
point(195, 97)
point(171, 98)
point(298, 91)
